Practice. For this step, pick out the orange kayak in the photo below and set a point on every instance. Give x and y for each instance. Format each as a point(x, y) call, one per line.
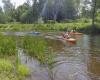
point(70, 40)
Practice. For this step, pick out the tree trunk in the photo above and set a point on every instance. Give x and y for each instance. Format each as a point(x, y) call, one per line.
point(94, 11)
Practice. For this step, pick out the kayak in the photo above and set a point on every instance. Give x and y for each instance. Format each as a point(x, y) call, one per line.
point(70, 40)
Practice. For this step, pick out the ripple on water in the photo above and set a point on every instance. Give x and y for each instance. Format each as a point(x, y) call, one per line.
point(73, 63)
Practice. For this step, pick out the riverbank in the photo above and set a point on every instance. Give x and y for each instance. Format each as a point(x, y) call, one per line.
point(81, 27)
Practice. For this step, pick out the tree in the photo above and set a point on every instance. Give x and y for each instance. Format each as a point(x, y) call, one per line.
point(2, 16)
point(34, 12)
point(58, 10)
point(94, 12)
point(86, 9)
point(70, 9)
point(9, 10)
point(98, 4)
point(31, 14)
point(20, 11)
point(1, 10)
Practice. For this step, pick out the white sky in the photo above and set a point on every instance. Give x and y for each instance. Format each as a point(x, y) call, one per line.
point(16, 2)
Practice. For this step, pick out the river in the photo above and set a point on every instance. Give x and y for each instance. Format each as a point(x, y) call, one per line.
point(79, 61)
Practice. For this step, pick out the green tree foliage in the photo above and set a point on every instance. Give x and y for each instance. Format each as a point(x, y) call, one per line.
point(98, 4)
point(2, 16)
point(1, 10)
point(32, 13)
point(86, 9)
point(9, 10)
point(70, 9)
point(57, 10)
point(21, 11)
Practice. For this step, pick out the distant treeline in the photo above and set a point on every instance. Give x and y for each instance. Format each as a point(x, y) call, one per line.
point(33, 11)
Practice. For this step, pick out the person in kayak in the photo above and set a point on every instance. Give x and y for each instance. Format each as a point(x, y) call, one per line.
point(66, 35)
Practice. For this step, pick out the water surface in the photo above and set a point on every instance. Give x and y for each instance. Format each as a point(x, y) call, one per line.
point(80, 61)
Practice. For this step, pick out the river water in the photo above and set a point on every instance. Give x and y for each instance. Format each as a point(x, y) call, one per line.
point(79, 61)
point(75, 61)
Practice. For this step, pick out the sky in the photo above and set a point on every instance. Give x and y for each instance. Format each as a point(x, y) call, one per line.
point(16, 2)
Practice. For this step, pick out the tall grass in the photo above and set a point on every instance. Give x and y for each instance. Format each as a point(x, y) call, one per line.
point(7, 71)
point(8, 48)
point(7, 45)
point(35, 47)
point(43, 27)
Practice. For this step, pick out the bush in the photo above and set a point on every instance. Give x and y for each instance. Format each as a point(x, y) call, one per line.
point(23, 70)
point(7, 45)
point(7, 71)
point(5, 65)
point(84, 20)
point(68, 21)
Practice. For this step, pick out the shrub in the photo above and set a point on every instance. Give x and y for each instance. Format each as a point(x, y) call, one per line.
point(23, 70)
point(7, 45)
point(5, 65)
point(7, 71)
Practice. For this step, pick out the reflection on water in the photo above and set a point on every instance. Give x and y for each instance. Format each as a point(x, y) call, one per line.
point(56, 45)
point(27, 60)
point(78, 62)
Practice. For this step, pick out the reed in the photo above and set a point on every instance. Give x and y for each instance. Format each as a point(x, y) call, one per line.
point(7, 45)
point(7, 71)
point(37, 48)
point(45, 27)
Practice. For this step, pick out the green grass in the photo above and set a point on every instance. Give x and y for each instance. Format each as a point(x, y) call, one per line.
point(8, 64)
point(7, 71)
point(36, 47)
point(5, 65)
point(79, 26)
point(42, 27)
point(33, 46)
point(7, 45)
point(23, 70)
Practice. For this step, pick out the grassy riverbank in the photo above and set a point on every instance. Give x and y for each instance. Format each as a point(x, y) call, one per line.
point(11, 67)
point(8, 71)
point(83, 27)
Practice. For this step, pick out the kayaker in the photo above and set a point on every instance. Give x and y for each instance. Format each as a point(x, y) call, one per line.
point(65, 35)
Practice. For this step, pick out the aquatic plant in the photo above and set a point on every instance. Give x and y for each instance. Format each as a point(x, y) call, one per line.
point(45, 27)
point(23, 70)
point(7, 45)
point(5, 65)
point(37, 48)
point(7, 71)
